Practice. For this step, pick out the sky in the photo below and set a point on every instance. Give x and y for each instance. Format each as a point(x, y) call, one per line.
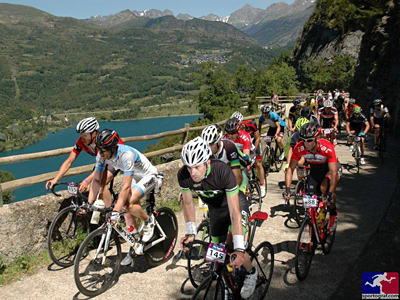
point(83, 9)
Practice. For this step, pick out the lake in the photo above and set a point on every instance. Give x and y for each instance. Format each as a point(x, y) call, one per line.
point(68, 137)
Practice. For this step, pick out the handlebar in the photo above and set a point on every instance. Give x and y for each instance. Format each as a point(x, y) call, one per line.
point(71, 189)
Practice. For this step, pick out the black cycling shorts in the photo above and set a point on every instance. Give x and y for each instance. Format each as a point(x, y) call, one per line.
point(272, 131)
point(220, 219)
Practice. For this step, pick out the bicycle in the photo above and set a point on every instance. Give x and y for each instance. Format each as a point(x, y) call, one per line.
point(329, 134)
point(253, 191)
point(223, 282)
point(298, 205)
point(270, 155)
point(356, 150)
point(99, 256)
point(314, 230)
point(381, 144)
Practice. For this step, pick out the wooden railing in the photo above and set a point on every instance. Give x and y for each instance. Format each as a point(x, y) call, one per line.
point(23, 182)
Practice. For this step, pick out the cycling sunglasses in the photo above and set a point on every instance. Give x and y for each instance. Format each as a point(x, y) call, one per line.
point(101, 150)
point(308, 140)
point(231, 133)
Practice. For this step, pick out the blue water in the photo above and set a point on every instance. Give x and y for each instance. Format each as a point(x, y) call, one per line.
point(68, 137)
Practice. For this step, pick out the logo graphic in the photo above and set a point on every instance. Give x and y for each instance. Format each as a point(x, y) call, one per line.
point(380, 285)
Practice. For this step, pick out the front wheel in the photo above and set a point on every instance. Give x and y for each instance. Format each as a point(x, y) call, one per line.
point(305, 248)
point(266, 161)
point(163, 251)
point(198, 267)
point(278, 161)
point(298, 206)
point(329, 238)
point(66, 233)
point(97, 262)
point(210, 289)
point(263, 261)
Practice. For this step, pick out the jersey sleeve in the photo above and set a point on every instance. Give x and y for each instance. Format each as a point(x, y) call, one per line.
point(331, 156)
point(246, 141)
point(295, 139)
point(229, 180)
point(128, 162)
point(77, 148)
point(232, 152)
point(99, 163)
point(298, 149)
point(183, 180)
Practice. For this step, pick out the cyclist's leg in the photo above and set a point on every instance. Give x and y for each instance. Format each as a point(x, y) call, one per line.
point(259, 167)
point(107, 197)
point(377, 123)
point(139, 189)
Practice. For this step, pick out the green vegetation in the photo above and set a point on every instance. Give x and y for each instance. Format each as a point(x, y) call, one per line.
point(7, 196)
point(23, 265)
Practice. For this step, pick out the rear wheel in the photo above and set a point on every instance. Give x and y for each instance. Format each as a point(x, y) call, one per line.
point(66, 233)
point(254, 194)
point(210, 288)
point(263, 260)
point(278, 162)
point(162, 252)
point(94, 269)
point(198, 267)
point(266, 161)
point(357, 157)
point(305, 248)
point(299, 210)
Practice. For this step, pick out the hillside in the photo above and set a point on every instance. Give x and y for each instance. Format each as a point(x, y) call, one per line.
point(50, 64)
point(368, 32)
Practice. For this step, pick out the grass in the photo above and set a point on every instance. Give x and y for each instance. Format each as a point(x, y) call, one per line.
point(174, 205)
point(23, 265)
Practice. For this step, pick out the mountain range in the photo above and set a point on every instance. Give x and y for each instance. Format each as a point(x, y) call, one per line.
point(279, 24)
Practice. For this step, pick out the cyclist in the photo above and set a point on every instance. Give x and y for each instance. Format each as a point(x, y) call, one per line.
point(238, 116)
point(139, 180)
point(215, 184)
point(240, 137)
point(339, 103)
point(310, 102)
point(379, 117)
point(350, 107)
point(226, 151)
point(294, 114)
point(88, 129)
point(355, 125)
point(320, 101)
point(324, 167)
point(251, 128)
point(328, 118)
point(276, 126)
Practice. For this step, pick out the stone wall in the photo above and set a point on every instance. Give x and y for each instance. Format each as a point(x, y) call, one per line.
point(24, 225)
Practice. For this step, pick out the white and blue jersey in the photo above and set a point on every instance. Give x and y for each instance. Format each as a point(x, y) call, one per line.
point(273, 118)
point(131, 162)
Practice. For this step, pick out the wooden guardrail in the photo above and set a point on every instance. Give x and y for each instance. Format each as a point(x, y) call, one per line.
point(23, 182)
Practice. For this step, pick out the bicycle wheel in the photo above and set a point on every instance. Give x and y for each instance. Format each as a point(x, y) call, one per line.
point(278, 162)
point(305, 248)
point(266, 161)
point(66, 233)
point(203, 231)
point(298, 206)
point(357, 156)
point(328, 240)
point(263, 260)
point(95, 269)
point(162, 252)
point(254, 194)
point(210, 288)
point(198, 267)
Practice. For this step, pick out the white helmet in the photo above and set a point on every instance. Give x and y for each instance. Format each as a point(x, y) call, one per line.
point(238, 116)
point(211, 134)
point(87, 125)
point(195, 152)
point(328, 103)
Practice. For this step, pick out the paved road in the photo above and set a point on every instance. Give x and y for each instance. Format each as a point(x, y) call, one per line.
point(363, 200)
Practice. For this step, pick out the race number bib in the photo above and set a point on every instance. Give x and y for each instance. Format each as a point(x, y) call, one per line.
point(216, 253)
point(357, 139)
point(73, 188)
point(310, 202)
point(327, 130)
point(268, 139)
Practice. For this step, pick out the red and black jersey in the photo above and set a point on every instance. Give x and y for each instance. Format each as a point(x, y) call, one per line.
point(243, 141)
point(250, 127)
point(91, 149)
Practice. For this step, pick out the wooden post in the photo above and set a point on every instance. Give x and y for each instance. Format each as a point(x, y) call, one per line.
point(1, 195)
point(186, 134)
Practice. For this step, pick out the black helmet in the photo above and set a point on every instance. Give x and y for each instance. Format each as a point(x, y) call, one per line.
point(296, 101)
point(377, 102)
point(265, 108)
point(310, 130)
point(305, 112)
point(107, 138)
point(232, 125)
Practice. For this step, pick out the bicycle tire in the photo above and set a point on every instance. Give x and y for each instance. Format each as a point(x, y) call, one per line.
point(278, 162)
point(298, 206)
point(255, 194)
point(266, 163)
point(198, 268)
point(207, 291)
point(204, 230)
point(264, 259)
point(66, 233)
point(305, 248)
point(86, 265)
point(162, 252)
point(357, 157)
point(327, 242)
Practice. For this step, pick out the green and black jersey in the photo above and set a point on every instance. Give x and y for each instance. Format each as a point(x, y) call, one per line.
point(213, 189)
point(230, 154)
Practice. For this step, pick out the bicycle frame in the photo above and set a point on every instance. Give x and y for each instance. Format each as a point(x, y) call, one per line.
point(311, 213)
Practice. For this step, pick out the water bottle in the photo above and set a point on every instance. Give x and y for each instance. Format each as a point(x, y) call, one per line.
point(98, 204)
point(321, 215)
point(160, 179)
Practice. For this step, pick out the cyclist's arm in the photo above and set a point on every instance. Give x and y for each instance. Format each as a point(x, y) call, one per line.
point(278, 128)
point(235, 214)
point(336, 120)
point(289, 155)
point(290, 124)
point(289, 173)
point(348, 127)
point(85, 182)
point(238, 175)
point(63, 169)
point(257, 140)
point(333, 169)
point(124, 193)
point(366, 127)
point(95, 186)
point(371, 119)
